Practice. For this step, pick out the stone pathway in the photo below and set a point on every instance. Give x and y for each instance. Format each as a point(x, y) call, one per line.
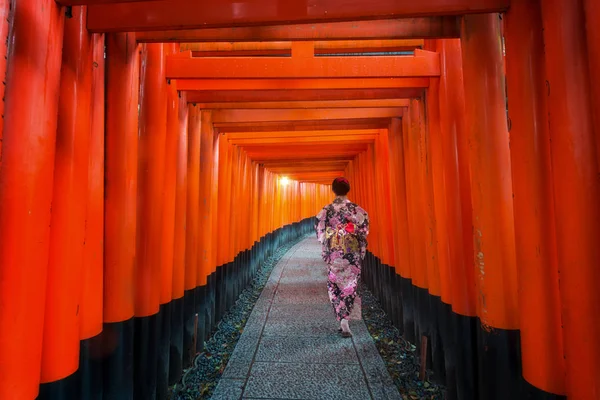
point(290, 347)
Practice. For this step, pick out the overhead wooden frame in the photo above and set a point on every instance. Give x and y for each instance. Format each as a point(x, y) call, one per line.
point(284, 48)
point(293, 115)
point(306, 125)
point(325, 104)
point(443, 27)
point(222, 96)
point(302, 84)
point(303, 65)
point(190, 14)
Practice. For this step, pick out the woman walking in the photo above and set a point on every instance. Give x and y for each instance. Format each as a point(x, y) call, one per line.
point(342, 228)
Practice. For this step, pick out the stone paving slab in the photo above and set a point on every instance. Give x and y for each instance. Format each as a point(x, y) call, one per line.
point(290, 347)
point(306, 349)
point(306, 381)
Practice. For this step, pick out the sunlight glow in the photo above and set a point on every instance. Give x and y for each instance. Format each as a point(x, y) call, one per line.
point(284, 180)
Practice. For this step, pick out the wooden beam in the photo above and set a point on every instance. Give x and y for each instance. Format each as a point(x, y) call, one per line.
point(190, 14)
point(302, 161)
point(291, 84)
point(346, 124)
point(246, 49)
point(308, 104)
point(421, 64)
point(291, 168)
point(403, 28)
point(263, 96)
point(229, 116)
point(329, 139)
point(90, 2)
point(297, 134)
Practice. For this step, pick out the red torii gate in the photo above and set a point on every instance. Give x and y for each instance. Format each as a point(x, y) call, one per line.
point(453, 91)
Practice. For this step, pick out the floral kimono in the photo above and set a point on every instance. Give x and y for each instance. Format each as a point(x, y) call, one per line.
point(342, 228)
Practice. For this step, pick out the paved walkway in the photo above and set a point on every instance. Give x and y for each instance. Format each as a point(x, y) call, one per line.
point(290, 348)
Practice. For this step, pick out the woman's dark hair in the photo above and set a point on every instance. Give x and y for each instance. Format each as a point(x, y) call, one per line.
point(340, 186)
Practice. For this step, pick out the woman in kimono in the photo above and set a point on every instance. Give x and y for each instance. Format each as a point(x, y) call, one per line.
point(342, 228)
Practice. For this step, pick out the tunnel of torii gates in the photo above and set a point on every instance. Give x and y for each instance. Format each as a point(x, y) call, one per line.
point(145, 176)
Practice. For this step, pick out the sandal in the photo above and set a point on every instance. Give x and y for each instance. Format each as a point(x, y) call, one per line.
point(346, 334)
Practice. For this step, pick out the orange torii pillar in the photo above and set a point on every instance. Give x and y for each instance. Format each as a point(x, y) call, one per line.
point(177, 355)
point(576, 191)
point(440, 298)
point(412, 270)
point(222, 225)
point(26, 183)
point(461, 329)
point(535, 233)
point(400, 217)
point(120, 213)
point(4, 27)
point(418, 219)
point(191, 227)
point(167, 233)
point(151, 166)
point(205, 276)
point(214, 221)
point(60, 351)
point(493, 218)
point(92, 287)
point(389, 264)
point(592, 24)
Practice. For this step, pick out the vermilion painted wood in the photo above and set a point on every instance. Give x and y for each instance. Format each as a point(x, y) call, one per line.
point(592, 24)
point(493, 215)
point(185, 14)
point(235, 116)
point(26, 179)
point(307, 104)
point(92, 287)
point(404, 28)
point(151, 179)
point(169, 191)
point(193, 198)
point(542, 349)
point(60, 352)
point(295, 95)
point(121, 171)
point(421, 64)
point(341, 124)
point(233, 83)
point(4, 26)
point(576, 191)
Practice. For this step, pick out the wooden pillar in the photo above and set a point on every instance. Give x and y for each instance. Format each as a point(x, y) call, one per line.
point(151, 156)
point(493, 218)
point(576, 192)
point(176, 355)
point(461, 334)
point(206, 175)
point(60, 352)
point(191, 227)
point(167, 231)
point(5, 22)
point(535, 233)
point(92, 280)
point(26, 182)
point(592, 23)
point(120, 211)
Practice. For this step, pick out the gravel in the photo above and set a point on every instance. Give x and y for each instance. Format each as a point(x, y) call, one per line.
point(200, 381)
point(398, 354)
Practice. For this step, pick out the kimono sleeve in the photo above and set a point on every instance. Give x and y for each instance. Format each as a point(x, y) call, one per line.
point(320, 225)
point(363, 231)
